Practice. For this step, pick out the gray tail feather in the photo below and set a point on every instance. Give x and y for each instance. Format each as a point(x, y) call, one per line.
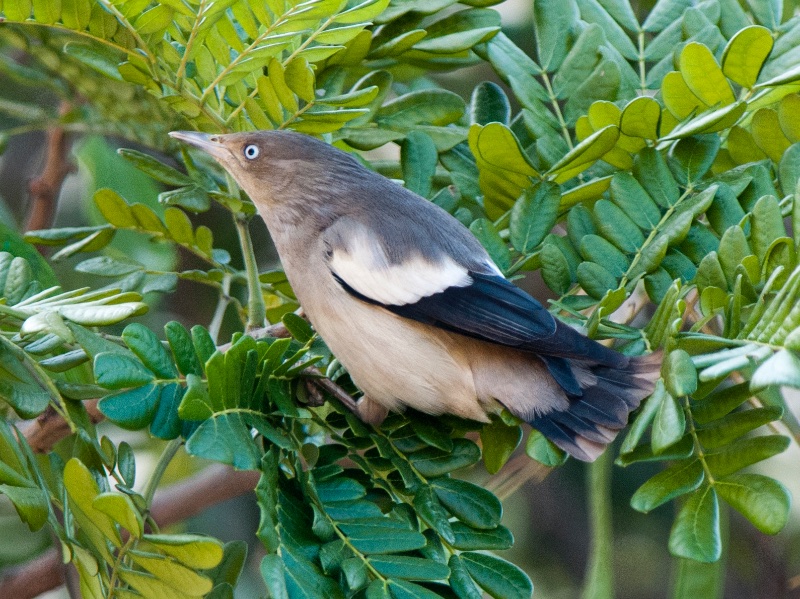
point(594, 418)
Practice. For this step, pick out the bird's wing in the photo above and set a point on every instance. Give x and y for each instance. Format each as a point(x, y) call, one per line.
point(436, 289)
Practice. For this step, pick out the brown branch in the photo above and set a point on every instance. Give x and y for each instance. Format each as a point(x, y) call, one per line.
point(49, 427)
point(45, 188)
point(212, 486)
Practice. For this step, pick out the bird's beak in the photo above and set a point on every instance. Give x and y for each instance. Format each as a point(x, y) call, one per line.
point(208, 143)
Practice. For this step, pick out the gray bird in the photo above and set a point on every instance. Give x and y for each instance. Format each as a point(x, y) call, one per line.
point(413, 306)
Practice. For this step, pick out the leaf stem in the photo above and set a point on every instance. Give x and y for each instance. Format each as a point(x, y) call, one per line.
point(161, 466)
point(256, 310)
point(600, 570)
point(222, 305)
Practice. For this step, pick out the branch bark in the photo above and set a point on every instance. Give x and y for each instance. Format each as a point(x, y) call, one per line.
point(175, 503)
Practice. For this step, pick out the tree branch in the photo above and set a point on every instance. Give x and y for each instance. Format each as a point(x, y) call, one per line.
point(45, 188)
point(212, 486)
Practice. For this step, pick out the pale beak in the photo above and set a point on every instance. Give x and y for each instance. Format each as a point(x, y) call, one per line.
point(204, 141)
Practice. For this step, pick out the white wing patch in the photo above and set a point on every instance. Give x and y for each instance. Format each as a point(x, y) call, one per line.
point(365, 267)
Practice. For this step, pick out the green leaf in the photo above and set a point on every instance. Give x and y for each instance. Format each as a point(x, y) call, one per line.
point(225, 438)
point(555, 269)
point(149, 349)
point(75, 14)
point(23, 384)
point(381, 535)
point(680, 375)
point(669, 424)
point(133, 409)
point(118, 371)
point(157, 170)
point(596, 280)
point(31, 504)
point(704, 76)
point(432, 462)
point(120, 508)
point(431, 511)
point(172, 573)
point(272, 572)
point(468, 539)
point(409, 568)
point(693, 156)
point(695, 533)
point(533, 216)
point(82, 490)
point(782, 368)
point(586, 153)
point(490, 239)
point(499, 578)
point(723, 431)
point(504, 169)
point(640, 118)
point(401, 589)
point(489, 104)
point(460, 31)
point(541, 449)
point(745, 452)
point(745, 54)
point(154, 20)
point(760, 499)
point(418, 159)
point(180, 342)
point(681, 478)
point(195, 551)
point(114, 208)
point(499, 441)
point(473, 505)
point(553, 22)
point(460, 580)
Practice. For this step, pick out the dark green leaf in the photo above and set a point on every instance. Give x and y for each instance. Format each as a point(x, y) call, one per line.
point(409, 568)
point(499, 441)
point(534, 215)
point(470, 503)
point(433, 462)
point(132, 409)
point(762, 500)
point(683, 477)
point(499, 578)
point(118, 371)
point(695, 533)
point(381, 535)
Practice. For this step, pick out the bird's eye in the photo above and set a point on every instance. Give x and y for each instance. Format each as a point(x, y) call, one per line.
point(251, 152)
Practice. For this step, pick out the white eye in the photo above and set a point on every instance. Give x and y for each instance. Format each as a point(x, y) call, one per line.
point(251, 152)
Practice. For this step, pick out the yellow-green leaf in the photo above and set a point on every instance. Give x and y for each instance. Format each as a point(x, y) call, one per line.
point(704, 76)
point(173, 573)
point(678, 98)
point(585, 153)
point(640, 118)
point(745, 54)
point(504, 168)
point(789, 117)
point(120, 508)
point(767, 133)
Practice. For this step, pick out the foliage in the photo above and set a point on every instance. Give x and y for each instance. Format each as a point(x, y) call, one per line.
point(658, 158)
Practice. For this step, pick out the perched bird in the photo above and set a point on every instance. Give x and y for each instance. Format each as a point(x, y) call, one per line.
point(413, 306)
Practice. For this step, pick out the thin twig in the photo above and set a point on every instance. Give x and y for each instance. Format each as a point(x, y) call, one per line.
point(45, 188)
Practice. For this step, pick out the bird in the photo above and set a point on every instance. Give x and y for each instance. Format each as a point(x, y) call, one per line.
point(411, 304)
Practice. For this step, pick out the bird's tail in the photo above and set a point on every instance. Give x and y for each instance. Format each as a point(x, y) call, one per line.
point(595, 417)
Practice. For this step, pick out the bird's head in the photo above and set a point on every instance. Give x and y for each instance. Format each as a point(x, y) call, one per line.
point(272, 166)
